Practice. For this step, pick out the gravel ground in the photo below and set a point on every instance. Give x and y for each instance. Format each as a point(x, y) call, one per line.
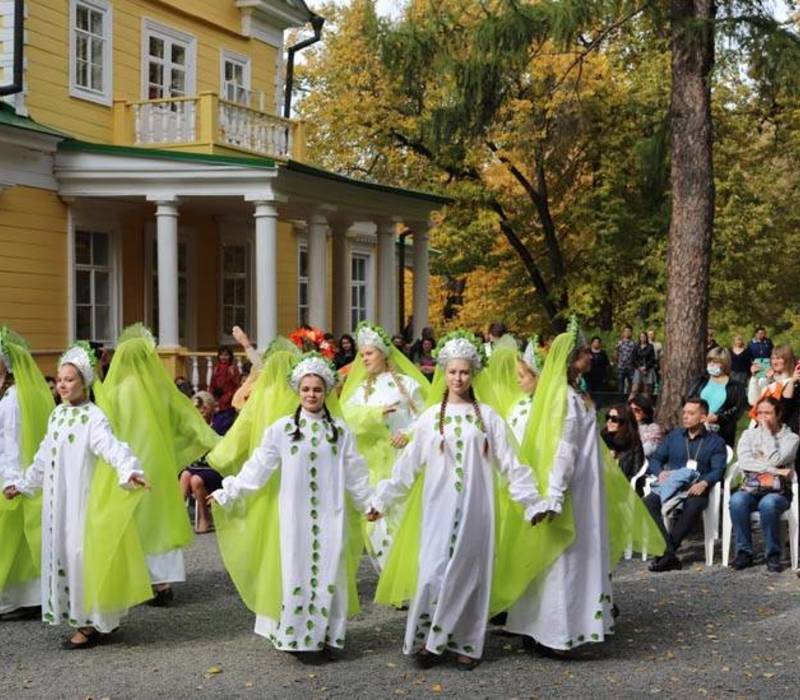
point(701, 632)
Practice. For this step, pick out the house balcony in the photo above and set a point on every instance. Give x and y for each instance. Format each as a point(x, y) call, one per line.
point(207, 123)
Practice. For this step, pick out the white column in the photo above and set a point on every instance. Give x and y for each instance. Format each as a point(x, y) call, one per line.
point(318, 272)
point(421, 279)
point(387, 276)
point(167, 250)
point(266, 216)
point(342, 271)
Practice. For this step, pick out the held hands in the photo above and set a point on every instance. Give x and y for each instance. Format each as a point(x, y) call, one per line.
point(698, 489)
point(138, 481)
point(400, 440)
point(373, 515)
point(545, 515)
point(10, 492)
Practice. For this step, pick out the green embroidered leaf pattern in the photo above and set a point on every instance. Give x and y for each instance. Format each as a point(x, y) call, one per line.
point(294, 449)
point(297, 591)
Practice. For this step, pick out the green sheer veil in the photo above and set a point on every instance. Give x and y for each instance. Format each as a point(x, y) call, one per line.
point(249, 533)
point(21, 518)
point(502, 371)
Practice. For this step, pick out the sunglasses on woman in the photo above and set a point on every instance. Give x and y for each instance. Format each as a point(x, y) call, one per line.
point(612, 418)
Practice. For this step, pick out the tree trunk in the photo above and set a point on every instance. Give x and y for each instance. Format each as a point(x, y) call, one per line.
point(692, 219)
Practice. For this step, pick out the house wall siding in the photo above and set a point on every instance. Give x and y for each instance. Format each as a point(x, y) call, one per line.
point(215, 25)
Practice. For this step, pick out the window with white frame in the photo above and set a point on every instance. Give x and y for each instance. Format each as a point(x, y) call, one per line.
point(235, 78)
point(358, 289)
point(302, 283)
point(169, 62)
point(94, 286)
point(90, 60)
point(235, 286)
point(183, 290)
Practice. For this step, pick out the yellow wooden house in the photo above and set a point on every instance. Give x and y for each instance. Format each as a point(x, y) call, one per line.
point(148, 172)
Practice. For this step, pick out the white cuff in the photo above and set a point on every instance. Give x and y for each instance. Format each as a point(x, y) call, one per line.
point(555, 501)
point(126, 472)
point(537, 508)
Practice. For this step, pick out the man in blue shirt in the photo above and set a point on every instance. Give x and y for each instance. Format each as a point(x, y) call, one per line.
point(693, 449)
point(760, 347)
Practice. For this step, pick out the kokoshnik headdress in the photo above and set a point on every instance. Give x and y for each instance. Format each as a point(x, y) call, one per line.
point(82, 357)
point(313, 363)
point(371, 335)
point(460, 345)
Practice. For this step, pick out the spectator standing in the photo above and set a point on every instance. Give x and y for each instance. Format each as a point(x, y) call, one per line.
point(766, 455)
point(651, 434)
point(596, 376)
point(760, 346)
point(621, 436)
point(690, 456)
point(496, 331)
point(741, 359)
point(346, 353)
point(644, 362)
point(427, 334)
point(775, 379)
point(425, 359)
point(400, 343)
point(225, 380)
point(657, 347)
point(723, 394)
point(624, 356)
point(711, 341)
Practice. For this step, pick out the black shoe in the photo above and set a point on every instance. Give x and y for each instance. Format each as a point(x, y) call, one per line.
point(32, 613)
point(743, 560)
point(500, 619)
point(426, 660)
point(667, 562)
point(161, 598)
point(91, 635)
point(774, 564)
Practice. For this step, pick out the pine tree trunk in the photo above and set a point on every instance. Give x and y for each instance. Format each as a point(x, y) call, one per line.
point(692, 220)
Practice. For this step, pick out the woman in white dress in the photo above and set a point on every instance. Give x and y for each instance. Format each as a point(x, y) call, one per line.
point(292, 548)
point(25, 406)
point(381, 399)
point(458, 448)
point(572, 604)
point(528, 369)
point(78, 436)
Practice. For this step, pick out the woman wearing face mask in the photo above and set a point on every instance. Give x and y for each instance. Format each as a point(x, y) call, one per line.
point(288, 524)
point(724, 395)
point(444, 554)
point(93, 567)
point(382, 397)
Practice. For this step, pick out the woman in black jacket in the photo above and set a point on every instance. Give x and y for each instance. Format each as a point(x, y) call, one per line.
point(726, 397)
point(644, 363)
point(621, 435)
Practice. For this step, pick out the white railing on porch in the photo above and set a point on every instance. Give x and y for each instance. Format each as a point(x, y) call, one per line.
point(165, 121)
point(253, 130)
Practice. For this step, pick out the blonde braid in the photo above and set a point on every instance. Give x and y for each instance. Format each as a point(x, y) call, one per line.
point(441, 419)
point(479, 418)
point(401, 388)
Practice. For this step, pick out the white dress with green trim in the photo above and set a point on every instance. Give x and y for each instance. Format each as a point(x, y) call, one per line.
point(457, 544)
point(77, 436)
point(316, 474)
point(26, 594)
point(571, 604)
point(385, 392)
point(518, 417)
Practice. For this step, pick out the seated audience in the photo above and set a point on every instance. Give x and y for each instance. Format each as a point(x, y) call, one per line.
point(651, 433)
point(723, 394)
point(621, 436)
point(692, 457)
point(766, 454)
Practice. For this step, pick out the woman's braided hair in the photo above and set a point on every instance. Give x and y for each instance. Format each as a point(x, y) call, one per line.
point(478, 420)
point(297, 435)
point(372, 378)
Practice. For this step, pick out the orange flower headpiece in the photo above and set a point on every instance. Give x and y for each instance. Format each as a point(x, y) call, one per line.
point(312, 340)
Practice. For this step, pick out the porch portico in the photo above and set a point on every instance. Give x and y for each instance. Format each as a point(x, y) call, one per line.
point(342, 235)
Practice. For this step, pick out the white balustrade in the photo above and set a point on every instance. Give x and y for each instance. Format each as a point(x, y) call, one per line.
point(242, 127)
point(165, 121)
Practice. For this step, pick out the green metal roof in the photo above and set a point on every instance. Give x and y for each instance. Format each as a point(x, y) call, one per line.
point(9, 117)
point(137, 152)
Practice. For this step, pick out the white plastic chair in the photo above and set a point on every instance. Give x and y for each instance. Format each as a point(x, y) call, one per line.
point(710, 514)
point(790, 517)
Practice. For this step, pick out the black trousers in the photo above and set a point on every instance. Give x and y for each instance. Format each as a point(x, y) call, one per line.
point(693, 507)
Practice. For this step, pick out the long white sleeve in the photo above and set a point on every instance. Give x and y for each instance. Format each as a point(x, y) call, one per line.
point(10, 467)
point(565, 459)
point(106, 446)
point(356, 474)
point(521, 485)
point(31, 480)
point(255, 472)
point(404, 474)
point(759, 451)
